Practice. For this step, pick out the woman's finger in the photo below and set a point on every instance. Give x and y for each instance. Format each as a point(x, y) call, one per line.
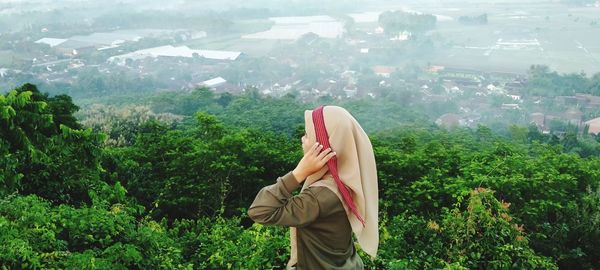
point(313, 148)
point(323, 153)
point(317, 150)
point(327, 158)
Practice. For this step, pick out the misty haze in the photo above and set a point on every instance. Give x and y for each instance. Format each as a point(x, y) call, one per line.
point(136, 134)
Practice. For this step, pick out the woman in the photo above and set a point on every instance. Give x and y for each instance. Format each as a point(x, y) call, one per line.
point(338, 197)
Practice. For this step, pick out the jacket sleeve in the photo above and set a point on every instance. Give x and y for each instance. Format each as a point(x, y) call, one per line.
point(275, 205)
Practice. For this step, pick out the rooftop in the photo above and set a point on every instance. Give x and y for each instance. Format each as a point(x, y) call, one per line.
point(214, 82)
point(181, 51)
point(51, 41)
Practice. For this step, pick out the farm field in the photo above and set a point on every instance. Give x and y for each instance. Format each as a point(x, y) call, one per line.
point(516, 36)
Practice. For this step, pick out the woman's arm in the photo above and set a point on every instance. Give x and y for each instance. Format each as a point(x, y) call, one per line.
point(275, 204)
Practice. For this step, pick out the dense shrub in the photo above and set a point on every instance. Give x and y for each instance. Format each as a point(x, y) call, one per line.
point(171, 199)
point(36, 235)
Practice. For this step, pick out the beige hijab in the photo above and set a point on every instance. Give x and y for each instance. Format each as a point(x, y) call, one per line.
point(356, 167)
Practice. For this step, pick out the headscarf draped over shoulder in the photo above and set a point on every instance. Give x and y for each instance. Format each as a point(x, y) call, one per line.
point(355, 168)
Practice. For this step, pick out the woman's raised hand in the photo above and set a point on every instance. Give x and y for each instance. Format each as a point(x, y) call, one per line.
point(314, 159)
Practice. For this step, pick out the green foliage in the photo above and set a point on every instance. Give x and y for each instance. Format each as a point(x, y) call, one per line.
point(122, 124)
point(479, 237)
point(171, 199)
point(223, 244)
point(47, 154)
point(172, 172)
point(421, 172)
point(397, 21)
point(10, 178)
point(92, 82)
point(36, 235)
point(474, 20)
point(544, 82)
point(200, 99)
point(67, 169)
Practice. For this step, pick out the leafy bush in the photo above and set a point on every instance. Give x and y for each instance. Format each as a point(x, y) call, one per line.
point(36, 235)
point(224, 244)
point(62, 204)
point(480, 237)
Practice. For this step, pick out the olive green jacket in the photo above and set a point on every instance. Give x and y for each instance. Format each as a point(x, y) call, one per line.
point(323, 231)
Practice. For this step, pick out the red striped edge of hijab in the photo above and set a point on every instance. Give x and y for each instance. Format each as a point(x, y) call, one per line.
point(323, 139)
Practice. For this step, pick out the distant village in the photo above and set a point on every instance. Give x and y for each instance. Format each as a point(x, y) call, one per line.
point(478, 96)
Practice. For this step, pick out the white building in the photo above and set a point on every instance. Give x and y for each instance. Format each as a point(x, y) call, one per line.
point(171, 51)
point(51, 41)
point(214, 82)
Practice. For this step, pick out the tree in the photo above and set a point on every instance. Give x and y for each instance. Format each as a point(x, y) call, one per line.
point(395, 22)
point(474, 20)
point(55, 161)
point(544, 82)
